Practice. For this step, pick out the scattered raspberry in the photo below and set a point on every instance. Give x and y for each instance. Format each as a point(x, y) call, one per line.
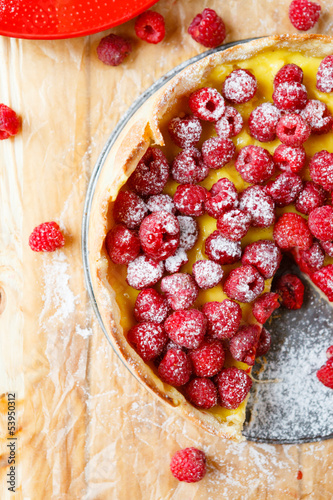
point(263, 121)
point(161, 202)
point(290, 96)
point(264, 255)
point(207, 273)
point(243, 345)
point(189, 464)
point(303, 14)
point(224, 196)
point(310, 260)
point(240, 86)
point(233, 387)
point(311, 197)
point(317, 115)
point(299, 475)
point(234, 224)
point(292, 130)
point(264, 306)
point(148, 339)
point(186, 327)
point(291, 291)
point(180, 289)
point(190, 200)
point(284, 189)
point(151, 174)
point(9, 122)
point(321, 223)
point(176, 261)
point(324, 280)
point(185, 132)
point(289, 159)
point(230, 124)
point(325, 374)
point(46, 237)
point(188, 232)
point(329, 352)
point(244, 284)
point(222, 250)
point(202, 393)
point(113, 49)
point(159, 235)
point(122, 244)
point(218, 152)
point(175, 368)
point(207, 104)
point(144, 272)
point(288, 73)
point(259, 205)
point(223, 318)
point(321, 169)
point(264, 343)
point(129, 209)
point(150, 27)
point(150, 306)
point(208, 359)
point(327, 246)
point(208, 29)
point(188, 167)
point(292, 230)
point(255, 164)
point(325, 75)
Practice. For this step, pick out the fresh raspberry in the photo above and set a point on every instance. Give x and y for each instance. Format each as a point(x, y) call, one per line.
point(317, 115)
point(240, 86)
point(186, 327)
point(244, 284)
point(190, 200)
point(234, 224)
point(321, 223)
point(208, 29)
point(208, 359)
point(327, 246)
point(321, 169)
point(159, 235)
point(243, 345)
point(289, 159)
point(161, 202)
point(217, 152)
point(312, 196)
point(144, 272)
point(329, 352)
point(202, 393)
point(222, 250)
point(264, 255)
point(150, 27)
point(230, 124)
point(122, 245)
point(148, 339)
point(129, 209)
point(185, 132)
point(224, 196)
point(310, 260)
point(264, 343)
point(323, 279)
point(259, 205)
point(303, 14)
point(151, 174)
point(325, 75)
point(233, 387)
point(288, 73)
point(188, 232)
point(113, 49)
point(292, 130)
point(292, 230)
point(46, 237)
point(207, 104)
point(180, 289)
point(188, 167)
point(264, 306)
point(255, 164)
point(223, 318)
point(325, 374)
point(290, 96)
point(207, 273)
point(188, 465)
point(9, 122)
point(284, 189)
point(263, 121)
point(175, 368)
point(150, 306)
point(291, 291)
point(176, 261)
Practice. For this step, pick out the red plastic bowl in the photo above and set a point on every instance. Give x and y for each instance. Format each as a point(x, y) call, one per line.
point(51, 19)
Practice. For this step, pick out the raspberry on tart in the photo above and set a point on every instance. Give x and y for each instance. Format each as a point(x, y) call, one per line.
point(186, 327)
point(224, 196)
point(122, 244)
point(176, 261)
point(243, 345)
point(144, 272)
point(188, 167)
point(151, 174)
point(218, 152)
point(223, 318)
point(264, 255)
point(221, 250)
point(258, 205)
point(291, 291)
point(312, 196)
point(188, 232)
point(233, 386)
point(317, 115)
point(240, 86)
point(159, 235)
point(325, 75)
point(244, 284)
point(207, 104)
point(292, 230)
point(175, 367)
point(150, 306)
point(288, 73)
point(321, 169)
point(264, 343)
point(290, 96)
point(208, 359)
point(207, 273)
point(129, 209)
point(289, 159)
point(292, 130)
point(185, 132)
point(309, 260)
point(234, 224)
point(161, 202)
point(284, 189)
point(321, 223)
point(265, 305)
point(180, 289)
point(231, 123)
point(148, 339)
point(254, 164)
point(323, 279)
point(202, 393)
point(190, 199)
point(263, 121)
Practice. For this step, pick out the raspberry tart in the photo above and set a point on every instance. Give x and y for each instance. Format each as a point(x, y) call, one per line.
point(224, 169)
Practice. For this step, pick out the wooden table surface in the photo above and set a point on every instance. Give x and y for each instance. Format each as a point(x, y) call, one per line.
point(86, 429)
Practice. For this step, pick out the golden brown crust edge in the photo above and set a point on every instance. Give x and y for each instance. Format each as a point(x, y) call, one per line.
point(141, 131)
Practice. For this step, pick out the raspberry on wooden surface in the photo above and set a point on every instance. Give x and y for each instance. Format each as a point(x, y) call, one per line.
point(113, 49)
point(327, 246)
point(190, 200)
point(318, 116)
point(243, 345)
point(129, 209)
point(188, 232)
point(150, 27)
point(9, 122)
point(310, 260)
point(175, 367)
point(244, 284)
point(188, 465)
point(321, 223)
point(265, 305)
point(217, 152)
point(264, 255)
point(240, 86)
point(180, 289)
point(185, 132)
point(122, 244)
point(207, 273)
point(312, 196)
point(289, 159)
point(159, 235)
point(151, 174)
point(224, 196)
point(150, 306)
point(264, 343)
point(284, 189)
point(46, 237)
point(144, 272)
point(323, 279)
point(259, 205)
point(223, 318)
point(207, 104)
point(189, 167)
point(263, 121)
point(148, 339)
point(202, 393)
point(303, 14)
point(230, 124)
point(161, 202)
point(291, 290)
point(255, 164)
point(234, 224)
point(325, 374)
point(321, 169)
point(176, 261)
point(186, 327)
point(290, 96)
point(221, 250)
point(233, 386)
point(208, 358)
point(292, 230)
point(288, 73)
point(293, 130)
point(325, 75)
point(208, 29)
